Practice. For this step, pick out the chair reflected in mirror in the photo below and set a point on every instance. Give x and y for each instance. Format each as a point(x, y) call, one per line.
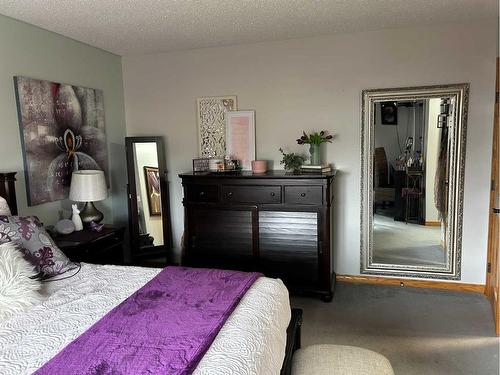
point(383, 188)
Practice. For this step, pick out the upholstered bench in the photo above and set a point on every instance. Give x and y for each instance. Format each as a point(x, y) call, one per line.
point(339, 360)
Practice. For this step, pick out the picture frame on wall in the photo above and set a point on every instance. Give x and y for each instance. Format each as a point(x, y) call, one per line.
point(62, 129)
point(152, 179)
point(389, 113)
point(240, 137)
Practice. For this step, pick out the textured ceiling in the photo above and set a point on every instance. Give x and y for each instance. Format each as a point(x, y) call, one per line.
point(132, 27)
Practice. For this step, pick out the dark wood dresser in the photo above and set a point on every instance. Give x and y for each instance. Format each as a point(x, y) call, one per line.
point(276, 223)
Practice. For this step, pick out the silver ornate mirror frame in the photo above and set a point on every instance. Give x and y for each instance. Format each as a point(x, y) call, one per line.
point(452, 269)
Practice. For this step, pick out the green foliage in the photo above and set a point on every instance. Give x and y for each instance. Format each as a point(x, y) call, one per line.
point(315, 138)
point(291, 161)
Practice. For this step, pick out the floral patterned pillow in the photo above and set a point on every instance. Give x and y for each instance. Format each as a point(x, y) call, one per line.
point(36, 245)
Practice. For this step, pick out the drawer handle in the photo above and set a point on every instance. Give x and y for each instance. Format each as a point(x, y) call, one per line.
point(229, 195)
point(273, 194)
point(202, 193)
point(302, 195)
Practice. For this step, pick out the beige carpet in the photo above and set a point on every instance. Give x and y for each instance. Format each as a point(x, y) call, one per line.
point(395, 242)
point(421, 331)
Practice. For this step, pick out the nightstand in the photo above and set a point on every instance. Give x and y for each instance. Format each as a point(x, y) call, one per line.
point(104, 247)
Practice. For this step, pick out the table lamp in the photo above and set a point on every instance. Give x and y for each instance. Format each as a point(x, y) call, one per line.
point(88, 186)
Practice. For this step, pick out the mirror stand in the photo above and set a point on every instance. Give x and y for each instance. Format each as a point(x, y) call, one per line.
point(148, 202)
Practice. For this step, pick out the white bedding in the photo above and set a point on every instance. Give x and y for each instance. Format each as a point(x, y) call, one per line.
point(252, 341)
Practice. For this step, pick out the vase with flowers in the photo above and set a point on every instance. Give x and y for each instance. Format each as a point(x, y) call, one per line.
point(314, 140)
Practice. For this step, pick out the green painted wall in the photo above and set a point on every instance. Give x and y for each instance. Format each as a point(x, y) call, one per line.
point(33, 52)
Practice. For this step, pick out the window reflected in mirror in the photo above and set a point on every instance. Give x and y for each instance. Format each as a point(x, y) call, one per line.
point(147, 180)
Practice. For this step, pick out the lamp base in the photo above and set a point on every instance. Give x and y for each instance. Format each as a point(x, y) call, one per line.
point(90, 213)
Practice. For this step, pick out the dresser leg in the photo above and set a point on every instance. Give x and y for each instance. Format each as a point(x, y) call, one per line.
point(327, 297)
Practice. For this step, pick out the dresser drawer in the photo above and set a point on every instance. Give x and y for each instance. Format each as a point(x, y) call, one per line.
point(304, 195)
point(251, 194)
point(202, 193)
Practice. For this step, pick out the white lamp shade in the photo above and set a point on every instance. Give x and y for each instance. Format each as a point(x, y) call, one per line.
point(88, 186)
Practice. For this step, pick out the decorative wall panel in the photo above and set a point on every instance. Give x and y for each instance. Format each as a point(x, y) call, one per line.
point(212, 124)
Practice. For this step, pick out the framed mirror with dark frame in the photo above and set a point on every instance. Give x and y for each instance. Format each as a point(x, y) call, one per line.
point(412, 180)
point(148, 201)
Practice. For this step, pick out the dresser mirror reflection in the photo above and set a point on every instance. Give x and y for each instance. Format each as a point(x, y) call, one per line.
point(149, 213)
point(413, 155)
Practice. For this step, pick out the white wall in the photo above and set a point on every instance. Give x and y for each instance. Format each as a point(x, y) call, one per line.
point(315, 83)
point(432, 154)
point(146, 155)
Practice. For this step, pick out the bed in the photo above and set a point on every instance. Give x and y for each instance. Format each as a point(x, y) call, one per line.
point(259, 337)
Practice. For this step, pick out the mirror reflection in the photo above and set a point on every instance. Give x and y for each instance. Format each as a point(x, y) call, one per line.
point(412, 180)
point(410, 175)
point(147, 180)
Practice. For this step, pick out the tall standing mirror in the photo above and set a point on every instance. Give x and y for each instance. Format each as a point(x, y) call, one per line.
point(149, 213)
point(413, 154)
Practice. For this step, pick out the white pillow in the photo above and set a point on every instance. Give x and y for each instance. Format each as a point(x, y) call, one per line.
point(17, 291)
point(4, 208)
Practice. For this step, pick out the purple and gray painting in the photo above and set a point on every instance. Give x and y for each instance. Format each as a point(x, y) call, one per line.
point(62, 130)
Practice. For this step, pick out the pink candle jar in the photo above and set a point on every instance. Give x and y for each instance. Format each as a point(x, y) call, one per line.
point(259, 166)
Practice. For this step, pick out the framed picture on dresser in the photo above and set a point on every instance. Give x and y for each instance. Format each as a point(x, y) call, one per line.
point(240, 137)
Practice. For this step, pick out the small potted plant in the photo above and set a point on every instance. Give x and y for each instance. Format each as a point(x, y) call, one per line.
point(291, 161)
point(314, 141)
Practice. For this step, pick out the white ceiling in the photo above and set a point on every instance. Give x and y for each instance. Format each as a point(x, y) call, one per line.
point(132, 27)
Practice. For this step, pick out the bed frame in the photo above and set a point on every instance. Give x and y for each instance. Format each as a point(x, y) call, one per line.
point(293, 333)
point(8, 192)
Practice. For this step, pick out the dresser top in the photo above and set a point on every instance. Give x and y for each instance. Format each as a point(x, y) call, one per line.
point(269, 174)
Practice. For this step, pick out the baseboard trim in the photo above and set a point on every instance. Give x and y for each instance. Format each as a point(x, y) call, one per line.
point(461, 287)
point(433, 223)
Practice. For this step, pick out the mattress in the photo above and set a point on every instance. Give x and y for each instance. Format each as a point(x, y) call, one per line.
point(252, 341)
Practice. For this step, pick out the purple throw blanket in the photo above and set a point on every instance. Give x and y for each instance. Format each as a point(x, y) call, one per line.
point(163, 328)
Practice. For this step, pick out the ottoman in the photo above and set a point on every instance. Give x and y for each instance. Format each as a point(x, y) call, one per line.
point(339, 360)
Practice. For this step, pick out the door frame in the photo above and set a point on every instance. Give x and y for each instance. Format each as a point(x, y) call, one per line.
point(492, 289)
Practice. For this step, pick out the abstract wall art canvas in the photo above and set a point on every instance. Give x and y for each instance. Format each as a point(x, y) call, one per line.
point(212, 124)
point(62, 130)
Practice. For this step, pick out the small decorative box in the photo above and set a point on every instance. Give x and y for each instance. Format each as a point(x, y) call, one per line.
point(201, 164)
point(216, 165)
